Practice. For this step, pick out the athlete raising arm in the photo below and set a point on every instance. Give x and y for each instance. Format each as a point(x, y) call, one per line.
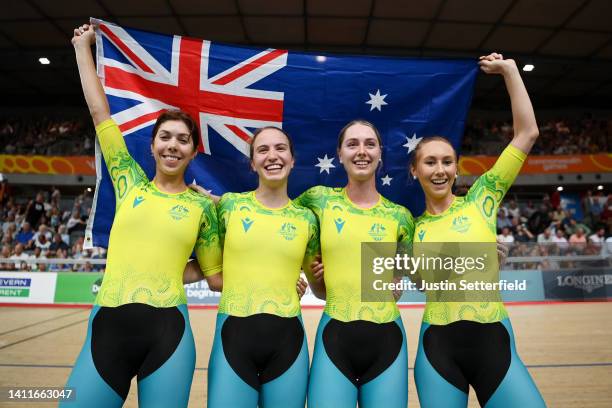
point(471, 343)
point(139, 325)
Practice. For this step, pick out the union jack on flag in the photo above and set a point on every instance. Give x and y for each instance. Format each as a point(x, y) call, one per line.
point(231, 91)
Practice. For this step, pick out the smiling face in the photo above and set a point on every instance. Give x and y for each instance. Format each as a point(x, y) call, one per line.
point(173, 148)
point(360, 152)
point(435, 166)
point(271, 156)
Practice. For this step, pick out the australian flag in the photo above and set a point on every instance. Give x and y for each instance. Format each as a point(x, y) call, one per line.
point(231, 91)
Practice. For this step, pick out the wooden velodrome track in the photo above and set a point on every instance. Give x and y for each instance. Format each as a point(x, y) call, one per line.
point(567, 347)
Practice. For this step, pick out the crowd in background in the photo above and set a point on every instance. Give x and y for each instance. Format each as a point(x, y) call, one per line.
point(75, 137)
point(47, 136)
point(545, 228)
point(45, 226)
point(557, 137)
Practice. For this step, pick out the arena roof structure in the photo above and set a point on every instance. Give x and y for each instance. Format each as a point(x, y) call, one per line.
point(568, 41)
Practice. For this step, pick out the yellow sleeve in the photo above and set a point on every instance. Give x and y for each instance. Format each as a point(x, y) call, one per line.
point(208, 245)
point(405, 231)
point(124, 172)
point(489, 189)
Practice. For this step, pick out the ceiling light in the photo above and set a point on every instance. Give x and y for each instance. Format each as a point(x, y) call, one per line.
point(44, 60)
point(528, 68)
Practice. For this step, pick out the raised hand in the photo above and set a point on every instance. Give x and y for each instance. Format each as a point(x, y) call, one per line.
point(83, 35)
point(495, 63)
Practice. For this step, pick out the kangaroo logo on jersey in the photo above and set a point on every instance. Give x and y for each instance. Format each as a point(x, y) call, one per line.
point(288, 231)
point(421, 235)
point(246, 223)
point(178, 212)
point(461, 224)
point(339, 224)
point(137, 200)
point(377, 231)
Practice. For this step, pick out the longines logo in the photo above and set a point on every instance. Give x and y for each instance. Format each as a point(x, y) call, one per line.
point(588, 283)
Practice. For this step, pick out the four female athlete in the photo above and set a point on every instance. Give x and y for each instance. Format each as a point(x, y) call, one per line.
point(465, 343)
point(139, 325)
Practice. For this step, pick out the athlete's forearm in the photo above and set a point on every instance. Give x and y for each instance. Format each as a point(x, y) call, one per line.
point(525, 126)
point(92, 88)
point(215, 282)
point(192, 272)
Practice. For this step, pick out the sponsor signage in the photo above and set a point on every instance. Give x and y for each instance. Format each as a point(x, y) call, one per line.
point(77, 287)
point(27, 287)
point(578, 284)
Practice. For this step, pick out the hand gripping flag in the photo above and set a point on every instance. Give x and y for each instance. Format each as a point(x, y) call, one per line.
point(231, 91)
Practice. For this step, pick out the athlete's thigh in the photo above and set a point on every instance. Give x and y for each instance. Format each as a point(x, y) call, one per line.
point(225, 387)
point(328, 387)
point(432, 388)
point(170, 384)
point(517, 389)
point(90, 389)
point(390, 387)
point(289, 389)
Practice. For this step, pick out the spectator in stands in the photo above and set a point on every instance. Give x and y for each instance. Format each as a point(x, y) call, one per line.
point(20, 255)
point(546, 263)
point(503, 219)
point(596, 207)
point(560, 240)
point(42, 242)
point(63, 232)
point(558, 214)
point(11, 231)
point(523, 234)
point(596, 241)
point(7, 240)
point(38, 254)
point(572, 226)
point(25, 235)
point(57, 266)
point(56, 196)
point(58, 243)
point(506, 236)
point(75, 223)
point(539, 220)
point(35, 209)
point(5, 254)
point(578, 241)
point(10, 220)
point(545, 237)
point(529, 209)
point(599, 236)
point(43, 230)
point(513, 209)
point(55, 217)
